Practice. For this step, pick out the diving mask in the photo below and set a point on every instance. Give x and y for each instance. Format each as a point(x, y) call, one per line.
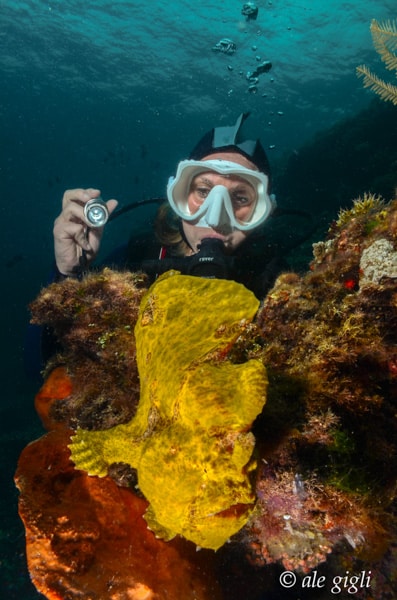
point(217, 208)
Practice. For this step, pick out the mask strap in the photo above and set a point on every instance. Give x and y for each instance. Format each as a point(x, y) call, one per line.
point(227, 136)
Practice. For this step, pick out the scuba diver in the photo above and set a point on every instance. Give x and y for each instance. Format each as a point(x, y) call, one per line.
point(211, 226)
point(214, 224)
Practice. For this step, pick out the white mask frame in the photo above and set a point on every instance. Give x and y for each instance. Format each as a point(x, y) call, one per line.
point(217, 208)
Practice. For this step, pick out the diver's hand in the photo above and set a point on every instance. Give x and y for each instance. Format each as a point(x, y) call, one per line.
point(72, 234)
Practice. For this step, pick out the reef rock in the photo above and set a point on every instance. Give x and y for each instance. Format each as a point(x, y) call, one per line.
point(328, 431)
point(378, 261)
point(93, 321)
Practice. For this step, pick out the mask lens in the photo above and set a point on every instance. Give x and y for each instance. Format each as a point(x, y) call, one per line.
point(244, 201)
point(232, 204)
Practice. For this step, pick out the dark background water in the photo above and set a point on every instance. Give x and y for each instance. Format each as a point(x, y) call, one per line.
point(114, 95)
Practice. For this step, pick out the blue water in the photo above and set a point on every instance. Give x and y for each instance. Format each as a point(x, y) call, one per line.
point(113, 95)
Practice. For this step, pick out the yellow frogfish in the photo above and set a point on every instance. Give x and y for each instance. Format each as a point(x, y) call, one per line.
point(190, 440)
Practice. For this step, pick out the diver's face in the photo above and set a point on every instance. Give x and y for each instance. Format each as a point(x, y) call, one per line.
point(243, 197)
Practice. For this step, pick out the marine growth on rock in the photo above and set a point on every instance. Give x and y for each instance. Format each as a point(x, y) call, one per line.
point(329, 430)
point(164, 391)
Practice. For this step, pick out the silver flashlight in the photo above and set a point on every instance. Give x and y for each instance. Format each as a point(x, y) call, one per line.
point(96, 212)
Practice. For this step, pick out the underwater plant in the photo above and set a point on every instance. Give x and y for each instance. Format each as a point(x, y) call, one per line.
point(384, 36)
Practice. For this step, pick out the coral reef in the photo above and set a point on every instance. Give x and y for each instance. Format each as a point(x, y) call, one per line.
point(384, 36)
point(328, 430)
point(319, 490)
point(94, 321)
point(194, 415)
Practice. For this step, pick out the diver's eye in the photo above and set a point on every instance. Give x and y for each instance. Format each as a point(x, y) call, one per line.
point(241, 200)
point(202, 192)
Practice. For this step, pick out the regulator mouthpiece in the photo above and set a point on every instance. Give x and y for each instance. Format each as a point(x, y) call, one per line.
point(96, 212)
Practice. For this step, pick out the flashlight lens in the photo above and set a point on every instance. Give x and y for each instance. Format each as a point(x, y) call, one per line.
point(96, 212)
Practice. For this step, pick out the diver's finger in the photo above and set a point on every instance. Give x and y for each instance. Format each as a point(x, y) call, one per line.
point(112, 205)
